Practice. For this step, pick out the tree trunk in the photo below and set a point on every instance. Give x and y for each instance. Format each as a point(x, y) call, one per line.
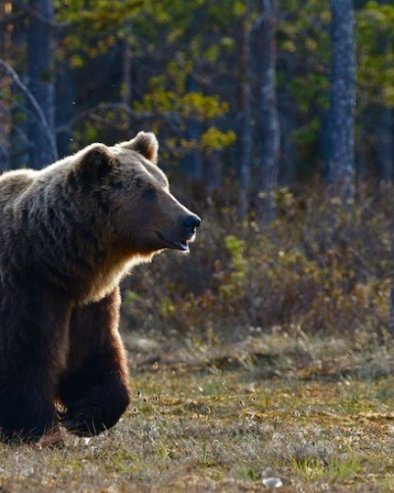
point(212, 172)
point(270, 129)
point(127, 58)
point(6, 92)
point(384, 145)
point(65, 109)
point(287, 111)
point(361, 162)
point(245, 112)
point(41, 80)
point(191, 164)
point(342, 101)
point(391, 320)
point(126, 92)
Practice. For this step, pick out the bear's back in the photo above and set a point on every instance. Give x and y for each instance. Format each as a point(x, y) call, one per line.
point(13, 183)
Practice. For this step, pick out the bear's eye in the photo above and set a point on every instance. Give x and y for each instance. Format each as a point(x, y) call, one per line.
point(149, 193)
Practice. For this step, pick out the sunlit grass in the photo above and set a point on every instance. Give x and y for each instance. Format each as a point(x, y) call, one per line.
point(336, 469)
point(208, 428)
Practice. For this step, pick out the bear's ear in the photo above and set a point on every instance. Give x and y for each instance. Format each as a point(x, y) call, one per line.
point(94, 162)
point(146, 144)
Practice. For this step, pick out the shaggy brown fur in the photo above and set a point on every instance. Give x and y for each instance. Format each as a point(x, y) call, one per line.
point(68, 234)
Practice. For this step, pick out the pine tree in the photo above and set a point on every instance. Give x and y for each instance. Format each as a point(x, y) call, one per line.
point(269, 119)
point(41, 80)
point(342, 100)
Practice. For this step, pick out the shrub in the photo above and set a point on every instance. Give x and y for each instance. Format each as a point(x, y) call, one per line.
point(318, 266)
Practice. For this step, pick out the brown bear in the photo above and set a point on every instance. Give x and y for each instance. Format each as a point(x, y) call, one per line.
point(68, 234)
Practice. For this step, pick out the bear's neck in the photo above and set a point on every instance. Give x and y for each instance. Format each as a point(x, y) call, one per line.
point(70, 248)
point(108, 275)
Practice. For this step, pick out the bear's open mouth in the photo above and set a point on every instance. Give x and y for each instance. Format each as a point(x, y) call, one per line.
point(174, 244)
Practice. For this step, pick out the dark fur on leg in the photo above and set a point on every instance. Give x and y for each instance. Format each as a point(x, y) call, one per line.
point(98, 410)
point(33, 337)
point(94, 390)
point(26, 419)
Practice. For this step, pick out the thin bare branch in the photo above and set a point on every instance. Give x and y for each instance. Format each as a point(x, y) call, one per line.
point(40, 114)
point(92, 113)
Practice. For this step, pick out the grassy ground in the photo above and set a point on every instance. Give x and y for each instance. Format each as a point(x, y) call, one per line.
point(317, 414)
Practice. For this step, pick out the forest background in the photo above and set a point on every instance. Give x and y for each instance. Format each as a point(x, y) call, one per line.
point(276, 122)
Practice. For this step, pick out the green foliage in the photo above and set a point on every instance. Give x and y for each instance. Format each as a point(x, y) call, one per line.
point(232, 284)
point(190, 104)
point(214, 139)
point(304, 37)
point(96, 15)
point(375, 38)
point(97, 27)
point(186, 68)
point(168, 104)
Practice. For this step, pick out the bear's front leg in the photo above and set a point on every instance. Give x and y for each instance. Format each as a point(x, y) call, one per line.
point(94, 389)
point(33, 347)
point(26, 416)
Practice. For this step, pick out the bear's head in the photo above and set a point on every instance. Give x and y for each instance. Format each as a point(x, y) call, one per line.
point(142, 216)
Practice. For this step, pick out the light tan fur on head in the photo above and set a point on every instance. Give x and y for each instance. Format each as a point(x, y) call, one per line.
point(144, 143)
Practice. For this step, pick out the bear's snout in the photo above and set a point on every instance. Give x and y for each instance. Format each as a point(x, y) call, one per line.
point(191, 223)
point(184, 232)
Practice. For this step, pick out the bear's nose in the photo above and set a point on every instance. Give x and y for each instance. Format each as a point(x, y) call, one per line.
point(192, 222)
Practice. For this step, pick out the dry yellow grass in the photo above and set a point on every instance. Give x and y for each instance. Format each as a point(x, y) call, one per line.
point(317, 414)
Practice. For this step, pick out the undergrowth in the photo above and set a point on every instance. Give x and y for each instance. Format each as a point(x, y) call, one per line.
point(264, 354)
point(319, 266)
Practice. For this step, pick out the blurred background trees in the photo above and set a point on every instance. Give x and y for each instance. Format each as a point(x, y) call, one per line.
point(258, 104)
point(41, 78)
point(248, 90)
point(342, 100)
